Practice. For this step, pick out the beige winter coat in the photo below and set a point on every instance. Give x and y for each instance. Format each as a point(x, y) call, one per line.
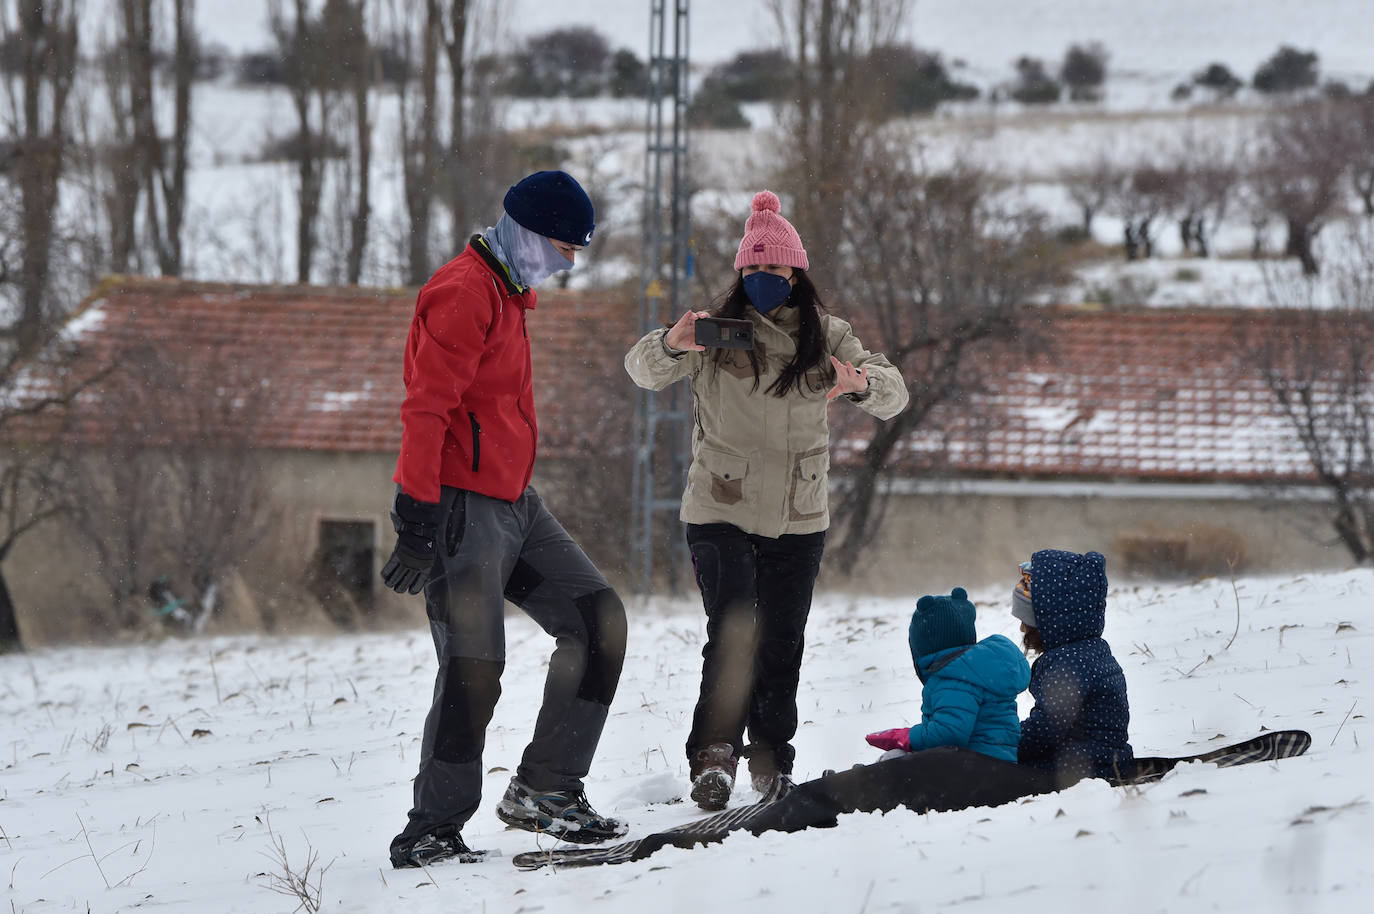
point(761, 462)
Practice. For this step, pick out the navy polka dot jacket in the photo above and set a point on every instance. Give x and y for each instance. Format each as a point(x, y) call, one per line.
point(1078, 725)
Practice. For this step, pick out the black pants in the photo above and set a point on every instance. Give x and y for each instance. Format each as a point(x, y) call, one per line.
point(492, 552)
point(757, 594)
point(934, 780)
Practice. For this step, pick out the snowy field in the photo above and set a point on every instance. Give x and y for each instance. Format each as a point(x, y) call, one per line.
point(160, 778)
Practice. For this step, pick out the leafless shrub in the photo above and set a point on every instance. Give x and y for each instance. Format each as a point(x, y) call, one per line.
point(303, 882)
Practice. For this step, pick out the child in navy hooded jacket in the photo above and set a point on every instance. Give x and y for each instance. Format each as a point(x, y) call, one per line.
point(1077, 728)
point(969, 687)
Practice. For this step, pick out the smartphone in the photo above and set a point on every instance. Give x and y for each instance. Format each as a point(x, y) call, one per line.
point(724, 333)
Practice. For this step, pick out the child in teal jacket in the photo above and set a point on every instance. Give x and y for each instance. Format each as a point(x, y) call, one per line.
point(969, 687)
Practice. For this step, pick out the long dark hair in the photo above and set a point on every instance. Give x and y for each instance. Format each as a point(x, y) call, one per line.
point(811, 350)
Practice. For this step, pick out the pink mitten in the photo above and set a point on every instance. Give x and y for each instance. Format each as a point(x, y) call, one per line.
point(897, 738)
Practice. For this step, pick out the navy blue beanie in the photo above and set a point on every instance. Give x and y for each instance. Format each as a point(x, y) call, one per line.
point(942, 622)
point(552, 204)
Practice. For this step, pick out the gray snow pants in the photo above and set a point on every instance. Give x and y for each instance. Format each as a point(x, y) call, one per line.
point(491, 551)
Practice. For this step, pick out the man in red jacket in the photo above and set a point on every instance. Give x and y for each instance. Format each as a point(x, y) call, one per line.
point(472, 533)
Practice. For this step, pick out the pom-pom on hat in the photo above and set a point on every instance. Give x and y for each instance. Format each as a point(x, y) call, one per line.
point(552, 204)
point(768, 237)
point(940, 623)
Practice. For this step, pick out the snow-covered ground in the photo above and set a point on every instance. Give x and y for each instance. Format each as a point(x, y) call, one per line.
point(159, 777)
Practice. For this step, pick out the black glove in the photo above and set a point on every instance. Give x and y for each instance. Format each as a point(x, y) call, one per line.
point(416, 524)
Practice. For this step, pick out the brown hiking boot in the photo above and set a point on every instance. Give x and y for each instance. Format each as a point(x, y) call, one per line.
point(713, 775)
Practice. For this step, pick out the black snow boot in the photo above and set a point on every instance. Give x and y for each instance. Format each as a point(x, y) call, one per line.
point(433, 848)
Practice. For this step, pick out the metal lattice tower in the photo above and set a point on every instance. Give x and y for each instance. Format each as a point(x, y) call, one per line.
point(661, 419)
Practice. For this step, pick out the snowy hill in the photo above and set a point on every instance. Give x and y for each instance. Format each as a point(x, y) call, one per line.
point(148, 777)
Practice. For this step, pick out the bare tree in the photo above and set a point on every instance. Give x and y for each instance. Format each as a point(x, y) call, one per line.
point(938, 270)
point(456, 46)
point(1362, 168)
point(171, 177)
point(44, 38)
point(139, 162)
point(350, 67)
point(342, 76)
point(38, 391)
point(470, 167)
point(418, 128)
point(946, 275)
point(1306, 150)
point(1139, 201)
point(117, 159)
point(304, 57)
point(177, 492)
point(832, 111)
point(1319, 366)
point(1252, 203)
point(1201, 186)
point(1093, 186)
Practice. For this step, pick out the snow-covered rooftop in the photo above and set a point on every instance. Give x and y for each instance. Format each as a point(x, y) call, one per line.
point(1144, 394)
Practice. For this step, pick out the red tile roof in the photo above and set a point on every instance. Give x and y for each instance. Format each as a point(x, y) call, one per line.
point(332, 356)
point(1148, 394)
point(1145, 394)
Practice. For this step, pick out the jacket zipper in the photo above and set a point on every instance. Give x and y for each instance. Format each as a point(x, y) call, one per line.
point(476, 441)
point(529, 380)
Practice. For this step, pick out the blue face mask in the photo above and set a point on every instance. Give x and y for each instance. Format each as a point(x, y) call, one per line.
point(766, 290)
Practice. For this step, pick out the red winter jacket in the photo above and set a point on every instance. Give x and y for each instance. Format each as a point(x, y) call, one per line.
point(468, 415)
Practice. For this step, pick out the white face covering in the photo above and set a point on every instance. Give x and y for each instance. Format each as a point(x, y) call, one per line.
point(531, 258)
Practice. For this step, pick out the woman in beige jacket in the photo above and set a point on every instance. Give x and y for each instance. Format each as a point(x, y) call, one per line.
point(756, 503)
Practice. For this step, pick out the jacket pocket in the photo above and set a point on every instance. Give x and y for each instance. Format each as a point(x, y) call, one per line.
point(476, 441)
point(723, 475)
point(810, 485)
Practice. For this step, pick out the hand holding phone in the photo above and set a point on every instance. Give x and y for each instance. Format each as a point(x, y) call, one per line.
point(681, 336)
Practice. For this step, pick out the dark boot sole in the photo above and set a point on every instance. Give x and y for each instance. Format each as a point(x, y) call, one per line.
point(412, 862)
point(555, 830)
point(711, 790)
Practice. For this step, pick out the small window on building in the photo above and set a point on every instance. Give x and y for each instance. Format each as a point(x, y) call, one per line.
point(347, 556)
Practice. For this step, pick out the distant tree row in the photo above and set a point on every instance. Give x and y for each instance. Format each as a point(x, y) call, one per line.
point(1288, 71)
point(904, 80)
point(1083, 71)
point(1301, 168)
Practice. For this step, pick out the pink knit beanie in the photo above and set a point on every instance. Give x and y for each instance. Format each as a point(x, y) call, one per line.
point(768, 237)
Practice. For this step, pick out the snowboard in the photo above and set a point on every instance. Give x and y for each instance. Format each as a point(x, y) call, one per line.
point(1267, 747)
point(712, 829)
